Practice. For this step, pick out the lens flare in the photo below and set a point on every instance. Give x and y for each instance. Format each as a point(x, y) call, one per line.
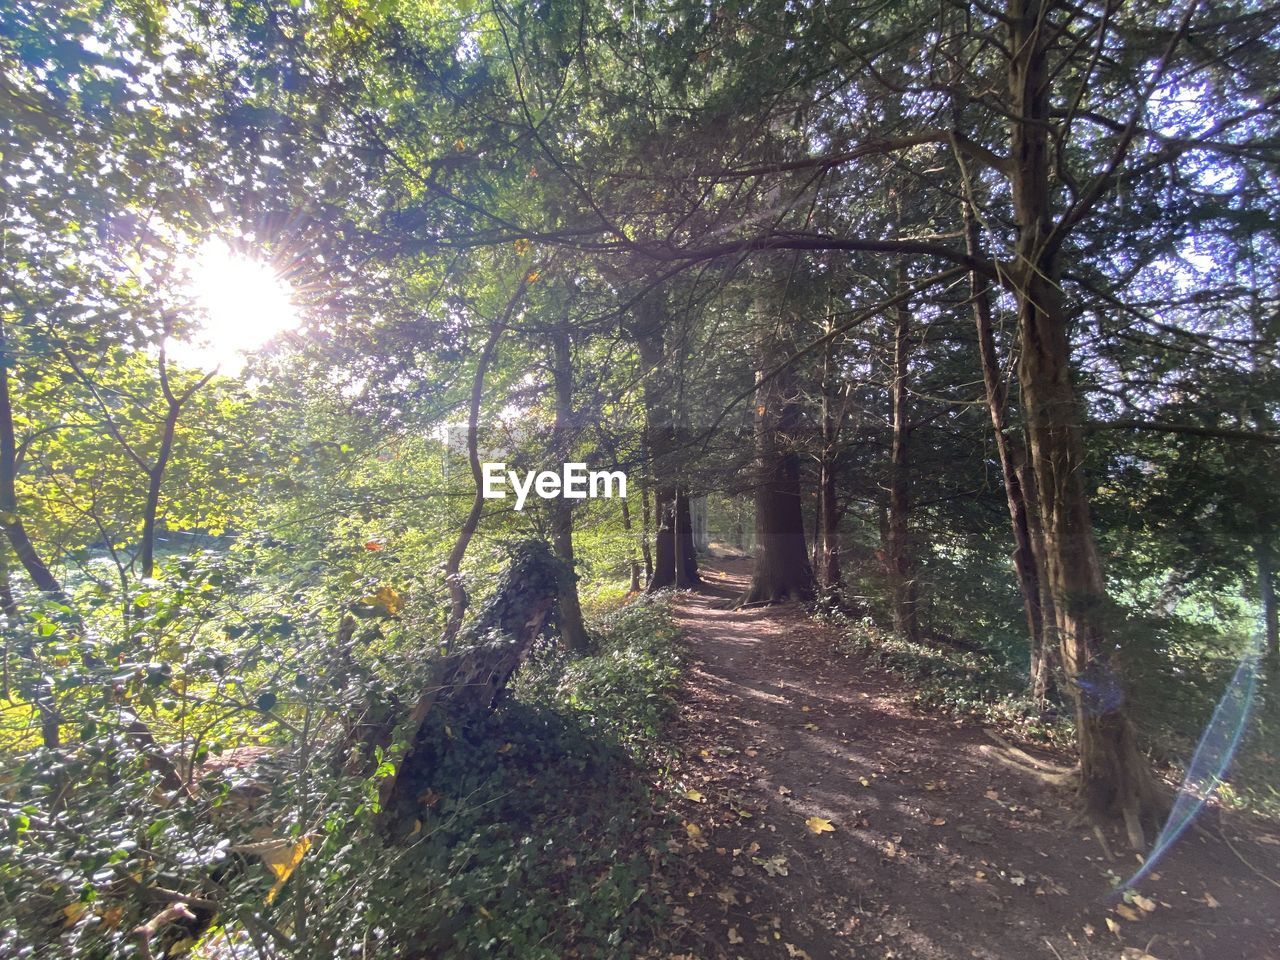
point(1212, 757)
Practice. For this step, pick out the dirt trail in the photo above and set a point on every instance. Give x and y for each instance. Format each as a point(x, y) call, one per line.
point(939, 850)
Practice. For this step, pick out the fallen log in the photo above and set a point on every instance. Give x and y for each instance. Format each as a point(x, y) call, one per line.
point(466, 685)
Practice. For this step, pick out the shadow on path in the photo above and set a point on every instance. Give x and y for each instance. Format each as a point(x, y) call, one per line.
point(936, 849)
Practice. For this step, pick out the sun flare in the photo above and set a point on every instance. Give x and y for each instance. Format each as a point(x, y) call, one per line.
point(244, 303)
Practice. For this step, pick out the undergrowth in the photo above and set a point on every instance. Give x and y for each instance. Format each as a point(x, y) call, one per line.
point(537, 836)
point(961, 682)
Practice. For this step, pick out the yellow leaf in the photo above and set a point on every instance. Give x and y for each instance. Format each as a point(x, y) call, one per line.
point(385, 600)
point(73, 912)
point(811, 726)
point(484, 913)
point(389, 598)
point(1113, 926)
point(1128, 912)
point(417, 828)
point(693, 830)
point(505, 748)
point(1143, 903)
point(695, 796)
point(282, 860)
point(864, 781)
point(532, 276)
point(818, 825)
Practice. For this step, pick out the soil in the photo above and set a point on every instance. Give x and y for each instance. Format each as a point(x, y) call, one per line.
point(943, 843)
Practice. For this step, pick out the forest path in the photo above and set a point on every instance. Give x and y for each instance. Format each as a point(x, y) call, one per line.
point(939, 850)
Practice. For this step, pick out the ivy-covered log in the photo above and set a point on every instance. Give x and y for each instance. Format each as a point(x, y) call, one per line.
point(468, 683)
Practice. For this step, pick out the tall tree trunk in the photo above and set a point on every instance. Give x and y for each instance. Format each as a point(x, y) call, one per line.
point(14, 528)
point(572, 629)
point(686, 540)
point(1017, 496)
point(453, 563)
point(675, 561)
point(632, 561)
point(828, 564)
point(906, 620)
point(1114, 776)
point(44, 581)
point(155, 480)
point(645, 524)
point(782, 570)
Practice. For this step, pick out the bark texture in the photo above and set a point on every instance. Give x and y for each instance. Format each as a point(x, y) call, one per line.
point(1019, 485)
point(466, 685)
point(782, 569)
point(1114, 776)
point(902, 572)
point(675, 561)
point(573, 631)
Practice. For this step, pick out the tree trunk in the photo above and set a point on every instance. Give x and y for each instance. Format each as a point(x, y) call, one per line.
point(782, 570)
point(828, 566)
point(1114, 776)
point(906, 621)
point(572, 629)
point(1025, 565)
point(155, 479)
point(645, 523)
point(14, 529)
point(632, 561)
point(453, 563)
point(44, 581)
point(675, 561)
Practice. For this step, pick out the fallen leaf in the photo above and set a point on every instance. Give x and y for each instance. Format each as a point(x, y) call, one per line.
point(1128, 912)
point(864, 781)
point(733, 935)
point(773, 866)
point(992, 795)
point(796, 952)
point(1210, 901)
point(818, 825)
point(811, 726)
point(1113, 926)
point(939, 822)
point(1144, 904)
point(695, 796)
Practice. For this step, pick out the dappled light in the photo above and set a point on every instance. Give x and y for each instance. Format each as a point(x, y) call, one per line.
point(582, 480)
